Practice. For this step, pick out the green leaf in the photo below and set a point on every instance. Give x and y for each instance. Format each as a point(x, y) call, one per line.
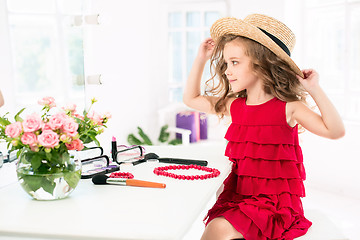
point(4, 121)
point(17, 116)
point(85, 139)
point(132, 140)
point(175, 142)
point(48, 185)
point(146, 139)
point(48, 156)
point(18, 152)
point(31, 183)
point(72, 178)
point(92, 133)
point(65, 156)
point(95, 140)
point(164, 135)
point(35, 161)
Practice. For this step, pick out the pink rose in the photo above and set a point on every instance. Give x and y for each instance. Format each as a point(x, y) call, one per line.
point(34, 148)
point(64, 138)
point(107, 115)
point(90, 114)
point(70, 127)
point(96, 118)
point(47, 101)
point(79, 144)
point(78, 116)
point(76, 144)
point(13, 130)
point(56, 121)
point(48, 139)
point(70, 108)
point(28, 138)
point(70, 146)
point(45, 126)
point(32, 123)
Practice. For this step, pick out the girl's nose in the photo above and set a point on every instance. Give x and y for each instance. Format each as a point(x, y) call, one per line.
point(227, 72)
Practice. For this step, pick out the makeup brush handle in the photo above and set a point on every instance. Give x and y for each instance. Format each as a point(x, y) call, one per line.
point(183, 161)
point(140, 183)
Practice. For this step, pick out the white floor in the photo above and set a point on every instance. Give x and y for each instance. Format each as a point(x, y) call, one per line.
point(334, 217)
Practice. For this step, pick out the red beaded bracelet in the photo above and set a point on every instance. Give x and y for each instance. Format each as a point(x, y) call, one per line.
point(121, 175)
point(162, 171)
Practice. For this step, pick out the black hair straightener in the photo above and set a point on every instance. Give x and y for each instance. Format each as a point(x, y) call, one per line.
point(155, 157)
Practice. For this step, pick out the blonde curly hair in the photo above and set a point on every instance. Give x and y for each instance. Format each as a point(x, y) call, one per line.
point(279, 79)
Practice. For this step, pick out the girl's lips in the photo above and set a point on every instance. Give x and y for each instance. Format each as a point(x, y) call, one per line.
point(233, 80)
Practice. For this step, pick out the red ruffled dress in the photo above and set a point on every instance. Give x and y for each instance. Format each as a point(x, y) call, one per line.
point(261, 196)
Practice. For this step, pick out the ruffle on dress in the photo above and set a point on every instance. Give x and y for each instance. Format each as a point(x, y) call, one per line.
point(267, 134)
point(269, 169)
point(240, 150)
point(263, 217)
point(254, 186)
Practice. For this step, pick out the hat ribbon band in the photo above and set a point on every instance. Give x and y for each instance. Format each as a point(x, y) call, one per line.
point(277, 41)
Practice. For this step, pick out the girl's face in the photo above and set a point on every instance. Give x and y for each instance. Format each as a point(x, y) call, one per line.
point(239, 68)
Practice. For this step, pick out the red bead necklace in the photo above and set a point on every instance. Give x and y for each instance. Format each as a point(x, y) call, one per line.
point(162, 171)
point(121, 175)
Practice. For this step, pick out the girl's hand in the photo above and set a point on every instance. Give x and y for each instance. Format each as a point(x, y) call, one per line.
point(206, 48)
point(328, 123)
point(310, 80)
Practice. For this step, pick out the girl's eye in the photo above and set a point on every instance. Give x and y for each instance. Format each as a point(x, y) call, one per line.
point(235, 62)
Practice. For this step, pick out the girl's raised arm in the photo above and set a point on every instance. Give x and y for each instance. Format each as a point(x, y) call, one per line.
point(329, 123)
point(192, 95)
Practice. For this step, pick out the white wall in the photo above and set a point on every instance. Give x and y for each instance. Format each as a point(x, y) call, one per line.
point(240, 9)
point(128, 49)
point(333, 165)
point(5, 61)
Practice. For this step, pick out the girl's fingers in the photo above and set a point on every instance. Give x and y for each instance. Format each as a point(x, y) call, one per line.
point(307, 72)
point(209, 41)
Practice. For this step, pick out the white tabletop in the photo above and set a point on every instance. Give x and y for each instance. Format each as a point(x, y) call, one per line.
point(117, 212)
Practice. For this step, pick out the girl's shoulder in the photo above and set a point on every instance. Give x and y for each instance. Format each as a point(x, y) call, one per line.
point(229, 103)
point(292, 106)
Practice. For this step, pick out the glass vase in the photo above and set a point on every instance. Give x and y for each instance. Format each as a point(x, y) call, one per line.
point(48, 176)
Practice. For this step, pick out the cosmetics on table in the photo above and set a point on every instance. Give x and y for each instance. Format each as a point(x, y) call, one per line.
point(97, 165)
point(153, 156)
point(103, 179)
point(113, 148)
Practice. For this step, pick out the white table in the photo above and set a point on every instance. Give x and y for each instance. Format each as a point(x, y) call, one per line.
point(117, 212)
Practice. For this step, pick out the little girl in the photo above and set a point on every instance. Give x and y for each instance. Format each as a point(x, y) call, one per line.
point(264, 92)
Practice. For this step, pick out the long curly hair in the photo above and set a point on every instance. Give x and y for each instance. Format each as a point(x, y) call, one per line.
point(278, 78)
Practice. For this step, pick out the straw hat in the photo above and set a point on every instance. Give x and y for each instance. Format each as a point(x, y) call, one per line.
point(268, 31)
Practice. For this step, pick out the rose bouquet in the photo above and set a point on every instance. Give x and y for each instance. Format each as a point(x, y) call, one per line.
point(44, 141)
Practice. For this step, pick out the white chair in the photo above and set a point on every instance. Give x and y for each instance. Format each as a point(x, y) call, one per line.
point(167, 116)
point(322, 228)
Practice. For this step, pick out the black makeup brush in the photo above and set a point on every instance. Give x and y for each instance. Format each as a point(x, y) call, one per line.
point(153, 156)
point(103, 179)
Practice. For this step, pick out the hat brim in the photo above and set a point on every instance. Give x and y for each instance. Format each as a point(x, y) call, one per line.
point(231, 25)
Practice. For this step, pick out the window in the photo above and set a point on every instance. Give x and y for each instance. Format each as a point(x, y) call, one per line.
point(46, 49)
point(187, 27)
point(334, 50)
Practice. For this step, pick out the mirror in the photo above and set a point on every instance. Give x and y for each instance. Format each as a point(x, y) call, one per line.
point(46, 38)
